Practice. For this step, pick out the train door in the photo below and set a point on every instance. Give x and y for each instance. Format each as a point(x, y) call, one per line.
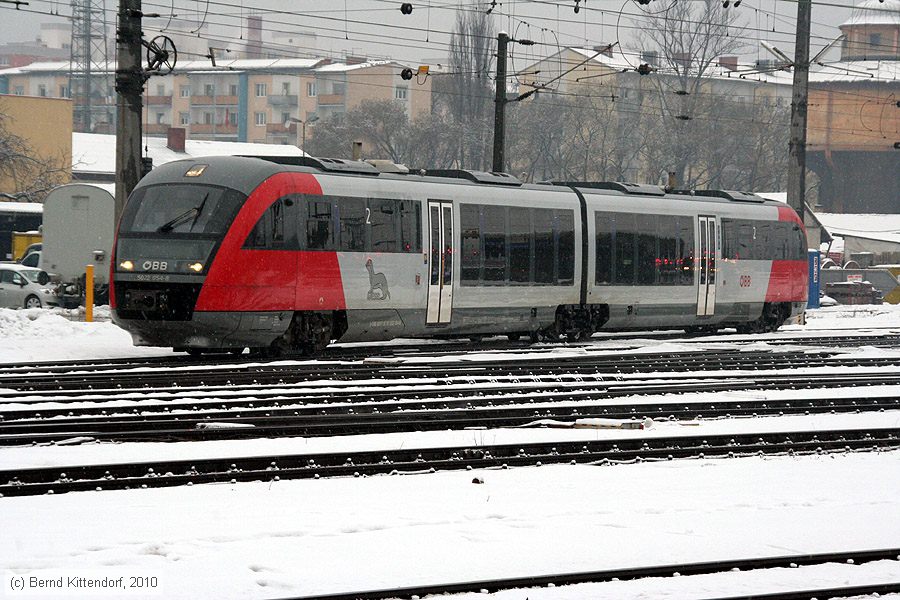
point(707, 250)
point(440, 257)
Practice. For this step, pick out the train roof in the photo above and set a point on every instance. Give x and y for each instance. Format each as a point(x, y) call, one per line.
point(245, 173)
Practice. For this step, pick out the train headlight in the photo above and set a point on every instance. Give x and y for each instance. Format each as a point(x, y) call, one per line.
point(126, 265)
point(196, 267)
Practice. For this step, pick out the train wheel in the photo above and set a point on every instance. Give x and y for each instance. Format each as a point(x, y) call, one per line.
point(195, 352)
point(534, 337)
point(513, 337)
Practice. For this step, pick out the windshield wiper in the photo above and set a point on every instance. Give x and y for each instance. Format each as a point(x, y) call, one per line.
point(192, 212)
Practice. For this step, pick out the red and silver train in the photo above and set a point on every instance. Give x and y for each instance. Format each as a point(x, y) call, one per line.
point(226, 253)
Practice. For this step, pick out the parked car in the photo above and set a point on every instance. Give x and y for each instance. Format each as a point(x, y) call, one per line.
point(25, 287)
point(31, 259)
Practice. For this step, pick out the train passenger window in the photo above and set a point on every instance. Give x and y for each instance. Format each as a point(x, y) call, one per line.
point(762, 240)
point(647, 251)
point(270, 232)
point(745, 240)
point(625, 248)
point(470, 233)
point(668, 251)
point(352, 220)
point(494, 241)
point(319, 225)
point(605, 233)
point(384, 220)
point(277, 210)
point(565, 257)
point(542, 228)
point(519, 245)
point(729, 239)
point(685, 260)
point(411, 225)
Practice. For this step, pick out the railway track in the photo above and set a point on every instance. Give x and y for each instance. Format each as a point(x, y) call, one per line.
point(670, 570)
point(435, 350)
point(384, 417)
point(118, 381)
point(34, 481)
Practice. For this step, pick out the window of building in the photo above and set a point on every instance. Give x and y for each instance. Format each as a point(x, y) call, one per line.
point(184, 91)
point(161, 89)
point(232, 89)
point(184, 118)
point(64, 91)
point(338, 88)
point(401, 92)
point(310, 88)
point(20, 90)
point(285, 118)
point(261, 90)
point(42, 90)
point(285, 88)
point(160, 118)
point(209, 90)
point(875, 42)
point(207, 118)
point(260, 118)
point(232, 118)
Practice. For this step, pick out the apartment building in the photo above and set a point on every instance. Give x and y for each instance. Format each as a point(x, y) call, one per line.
point(247, 100)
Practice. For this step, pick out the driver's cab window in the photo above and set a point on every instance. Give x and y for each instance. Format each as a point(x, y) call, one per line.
point(31, 260)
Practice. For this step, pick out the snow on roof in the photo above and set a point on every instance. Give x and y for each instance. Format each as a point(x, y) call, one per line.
point(96, 152)
point(238, 64)
point(343, 67)
point(873, 227)
point(22, 207)
point(875, 12)
point(858, 70)
point(629, 60)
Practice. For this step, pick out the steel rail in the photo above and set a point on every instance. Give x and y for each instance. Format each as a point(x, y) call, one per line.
point(644, 572)
point(295, 372)
point(564, 368)
point(33, 481)
point(310, 422)
point(339, 352)
point(400, 395)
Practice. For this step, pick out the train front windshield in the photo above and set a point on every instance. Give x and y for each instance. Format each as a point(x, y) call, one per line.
point(179, 209)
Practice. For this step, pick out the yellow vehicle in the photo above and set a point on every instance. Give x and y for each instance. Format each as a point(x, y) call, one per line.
point(21, 240)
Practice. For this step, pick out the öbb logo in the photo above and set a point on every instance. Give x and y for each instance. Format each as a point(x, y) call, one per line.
point(155, 265)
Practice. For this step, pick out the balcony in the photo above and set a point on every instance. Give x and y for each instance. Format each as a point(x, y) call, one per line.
point(330, 99)
point(280, 128)
point(283, 101)
point(214, 100)
point(217, 129)
point(159, 100)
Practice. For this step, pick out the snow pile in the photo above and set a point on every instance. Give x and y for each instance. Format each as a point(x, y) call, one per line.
point(38, 334)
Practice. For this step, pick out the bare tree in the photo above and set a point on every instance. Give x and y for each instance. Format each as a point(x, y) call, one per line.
point(29, 176)
point(689, 37)
point(465, 93)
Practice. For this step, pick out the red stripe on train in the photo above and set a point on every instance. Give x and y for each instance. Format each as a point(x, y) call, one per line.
point(267, 280)
point(788, 280)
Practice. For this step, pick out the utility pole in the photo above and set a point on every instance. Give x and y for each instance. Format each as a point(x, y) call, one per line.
point(796, 191)
point(500, 104)
point(129, 104)
point(500, 100)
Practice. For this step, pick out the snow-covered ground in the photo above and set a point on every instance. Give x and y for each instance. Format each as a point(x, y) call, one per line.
point(288, 538)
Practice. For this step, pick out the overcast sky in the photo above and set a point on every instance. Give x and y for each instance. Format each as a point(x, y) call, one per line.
point(377, 27)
